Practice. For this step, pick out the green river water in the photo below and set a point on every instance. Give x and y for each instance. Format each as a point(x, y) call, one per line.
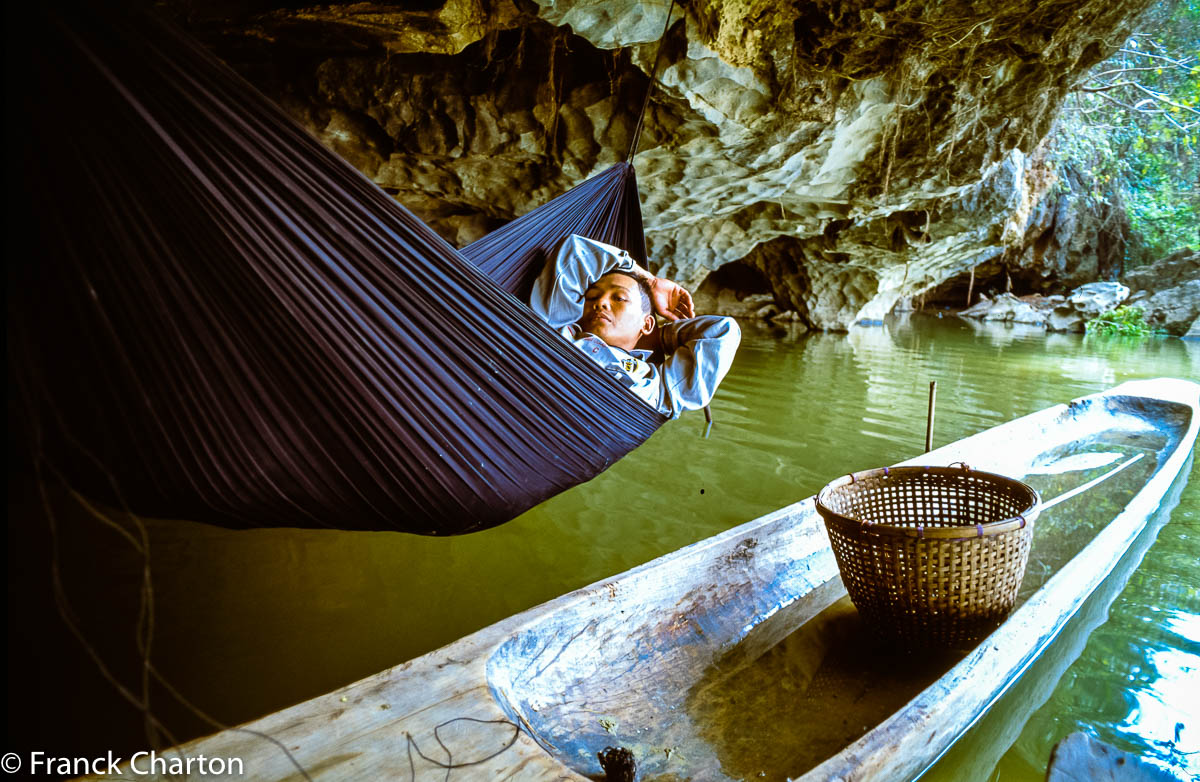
point(250, 622)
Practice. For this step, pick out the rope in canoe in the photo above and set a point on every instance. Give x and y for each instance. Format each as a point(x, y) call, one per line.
point(450, 765)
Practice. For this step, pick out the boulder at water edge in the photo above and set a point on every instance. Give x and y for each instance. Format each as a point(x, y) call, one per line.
point(1168, 292)
point(1005, 307)
point(1085, 303)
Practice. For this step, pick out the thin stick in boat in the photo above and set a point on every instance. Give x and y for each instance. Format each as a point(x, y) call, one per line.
point(929, 420)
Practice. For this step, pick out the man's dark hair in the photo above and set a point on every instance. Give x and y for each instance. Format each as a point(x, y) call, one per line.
point(643, 286)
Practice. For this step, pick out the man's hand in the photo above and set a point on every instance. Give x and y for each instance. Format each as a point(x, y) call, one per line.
point(670, 299)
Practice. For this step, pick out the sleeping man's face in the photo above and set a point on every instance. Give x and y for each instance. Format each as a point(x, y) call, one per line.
point(617, 311)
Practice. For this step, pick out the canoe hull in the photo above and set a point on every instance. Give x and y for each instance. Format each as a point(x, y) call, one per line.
point(537, 695)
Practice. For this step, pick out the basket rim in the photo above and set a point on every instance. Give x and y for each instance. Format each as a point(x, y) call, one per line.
point(964, 531)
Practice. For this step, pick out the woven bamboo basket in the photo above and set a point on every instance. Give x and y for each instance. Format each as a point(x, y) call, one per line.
point(931, 556)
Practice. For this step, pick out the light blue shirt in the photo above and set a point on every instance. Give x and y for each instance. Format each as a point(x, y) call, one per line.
point(698, 351)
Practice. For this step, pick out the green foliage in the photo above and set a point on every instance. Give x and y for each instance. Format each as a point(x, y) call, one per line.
point(1124, 321)
point(1133, 127)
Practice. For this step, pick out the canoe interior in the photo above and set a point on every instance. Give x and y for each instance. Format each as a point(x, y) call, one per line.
point(754, 665)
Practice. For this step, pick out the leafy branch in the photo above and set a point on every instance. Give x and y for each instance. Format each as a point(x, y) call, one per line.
point(1132, 124)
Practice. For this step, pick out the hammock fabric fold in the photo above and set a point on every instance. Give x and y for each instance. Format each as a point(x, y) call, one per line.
point(605, 208)
point(223, 321)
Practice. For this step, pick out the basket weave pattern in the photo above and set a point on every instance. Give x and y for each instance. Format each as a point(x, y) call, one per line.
point(931, 556)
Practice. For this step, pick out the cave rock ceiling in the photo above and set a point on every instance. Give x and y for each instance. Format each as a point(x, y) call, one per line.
point(852, 153)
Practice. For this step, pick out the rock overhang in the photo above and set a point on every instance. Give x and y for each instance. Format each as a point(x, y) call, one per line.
point(856, 154)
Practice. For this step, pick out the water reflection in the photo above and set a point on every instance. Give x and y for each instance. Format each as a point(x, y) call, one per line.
point(1165, 703)
point(249, 622)
point(1000, 333)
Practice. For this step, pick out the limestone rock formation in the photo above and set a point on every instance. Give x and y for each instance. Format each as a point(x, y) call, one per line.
point(1168, 292)
point(1085, 303)
point(1171, 271)
point(848, 153)
point(1067, 236)
point(1173, 310)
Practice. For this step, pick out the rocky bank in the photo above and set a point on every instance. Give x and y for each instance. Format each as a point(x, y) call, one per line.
point(1167, 292)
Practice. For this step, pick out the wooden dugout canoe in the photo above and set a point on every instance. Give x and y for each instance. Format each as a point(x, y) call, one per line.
point(738, 657)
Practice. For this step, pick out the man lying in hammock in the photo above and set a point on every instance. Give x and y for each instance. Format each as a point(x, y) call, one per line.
point(601, 300)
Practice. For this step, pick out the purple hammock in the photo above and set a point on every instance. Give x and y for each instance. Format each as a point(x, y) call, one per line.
point(221, 320)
